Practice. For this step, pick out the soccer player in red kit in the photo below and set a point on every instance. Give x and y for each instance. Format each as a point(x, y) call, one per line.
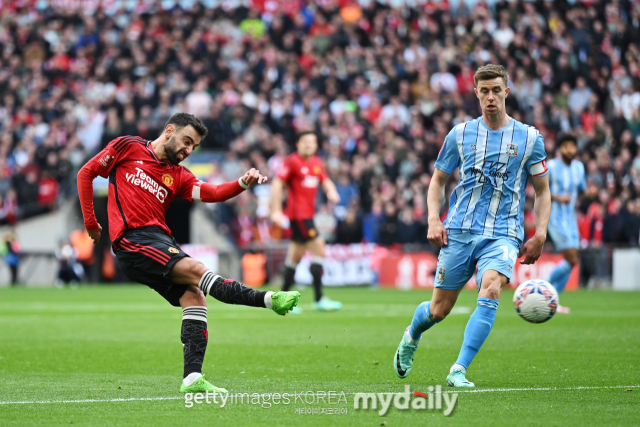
point(302, 174)
point(144, 177)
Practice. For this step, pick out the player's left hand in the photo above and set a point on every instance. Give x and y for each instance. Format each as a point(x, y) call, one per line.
point(532, 250)
point(253, 177)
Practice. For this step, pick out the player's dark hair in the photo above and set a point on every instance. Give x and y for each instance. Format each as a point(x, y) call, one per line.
point(566, 137)
point(490, 72)
point(180, 120)
point(299, 135)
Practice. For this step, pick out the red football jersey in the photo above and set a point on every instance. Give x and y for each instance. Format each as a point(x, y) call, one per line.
point(141, 187)
point(302, 178)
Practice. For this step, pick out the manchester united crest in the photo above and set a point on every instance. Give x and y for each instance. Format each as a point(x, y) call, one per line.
point(167, 179)
point(173, 250)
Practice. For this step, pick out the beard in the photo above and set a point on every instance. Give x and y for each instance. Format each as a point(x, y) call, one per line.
point(171, 151)
point(567, 159)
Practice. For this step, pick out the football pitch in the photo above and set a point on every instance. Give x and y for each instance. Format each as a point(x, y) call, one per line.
point(111, 355)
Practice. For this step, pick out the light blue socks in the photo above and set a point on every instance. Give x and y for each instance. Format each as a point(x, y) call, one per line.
point(422, 321)
point(477, 330)
point(560, 275)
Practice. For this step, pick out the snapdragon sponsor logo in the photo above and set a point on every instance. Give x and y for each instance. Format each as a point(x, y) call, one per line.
point(145, 182)
point(433, 400)
point(333, 402)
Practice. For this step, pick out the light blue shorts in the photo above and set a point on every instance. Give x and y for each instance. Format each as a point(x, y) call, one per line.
point(458, 260)
point(563, 236)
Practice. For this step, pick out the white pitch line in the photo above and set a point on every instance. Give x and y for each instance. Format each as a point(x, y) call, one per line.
point(488, 390)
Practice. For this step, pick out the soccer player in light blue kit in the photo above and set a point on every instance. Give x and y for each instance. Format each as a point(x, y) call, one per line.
point(566, 181)
point(485, 224)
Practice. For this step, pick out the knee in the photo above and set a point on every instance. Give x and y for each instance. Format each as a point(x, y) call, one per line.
point(492, 292)
point(492, 285)
point(439, 311)
point(195, 270)
point(492, 289)
point(316, 267)
point(572, 259)
point(193, 297)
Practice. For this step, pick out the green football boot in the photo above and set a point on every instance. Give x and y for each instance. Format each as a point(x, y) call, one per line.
point(457, 379)
point(282, 301)
point(403, 359)
point(201, 386)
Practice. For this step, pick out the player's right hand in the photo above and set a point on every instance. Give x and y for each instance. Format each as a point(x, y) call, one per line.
point(253, 177)
point(437, 234)
point(95, 234)
point(563, 199)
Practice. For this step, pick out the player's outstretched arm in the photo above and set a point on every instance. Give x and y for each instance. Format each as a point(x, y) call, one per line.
point(542, 208)
point(437, 234)
point(330, 190)
point(86, 175)
point(211, 193)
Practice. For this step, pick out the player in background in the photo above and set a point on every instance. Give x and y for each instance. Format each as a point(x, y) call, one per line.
point(566, 181)
point(302, 173)
point(144, 177)
point(484, 227)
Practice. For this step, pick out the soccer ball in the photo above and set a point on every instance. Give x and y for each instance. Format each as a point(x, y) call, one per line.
point(536, 301)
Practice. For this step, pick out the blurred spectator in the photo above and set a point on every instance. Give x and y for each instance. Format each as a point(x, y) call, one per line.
point(409, 231)
point(349, 229)
point(83, 249)
point(326, 223)
point(382, 83)
point(69, 271)
point(10, 250)
point(371, 223)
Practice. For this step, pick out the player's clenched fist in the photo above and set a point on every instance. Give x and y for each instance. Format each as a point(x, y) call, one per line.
point(437, 234)
point(95, 234)
point(253, 177)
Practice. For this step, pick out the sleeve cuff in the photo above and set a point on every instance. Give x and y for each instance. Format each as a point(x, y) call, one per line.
point(242, 184)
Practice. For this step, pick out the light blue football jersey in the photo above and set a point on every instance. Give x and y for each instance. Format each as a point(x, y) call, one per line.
point(565, 180)
point(494, 170)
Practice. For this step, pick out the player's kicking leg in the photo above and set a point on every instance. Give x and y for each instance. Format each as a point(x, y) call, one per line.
point(478, 327)
point(202, 282)
point(495, 259)
point(561, 273)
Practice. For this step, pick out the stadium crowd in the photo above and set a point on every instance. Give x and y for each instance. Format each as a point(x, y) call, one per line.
point(382, 84)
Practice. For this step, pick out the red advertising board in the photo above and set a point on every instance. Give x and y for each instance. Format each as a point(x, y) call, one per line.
point(417, 271)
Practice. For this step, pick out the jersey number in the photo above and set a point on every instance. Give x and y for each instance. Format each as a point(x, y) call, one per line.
point(506, 255)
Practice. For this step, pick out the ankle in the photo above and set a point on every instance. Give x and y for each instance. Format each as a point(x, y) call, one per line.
point(191, 378)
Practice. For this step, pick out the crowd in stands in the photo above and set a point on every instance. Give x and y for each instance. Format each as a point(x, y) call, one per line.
point(382, 83)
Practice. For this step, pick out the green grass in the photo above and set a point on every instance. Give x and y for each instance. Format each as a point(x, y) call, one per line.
point(119, 342)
